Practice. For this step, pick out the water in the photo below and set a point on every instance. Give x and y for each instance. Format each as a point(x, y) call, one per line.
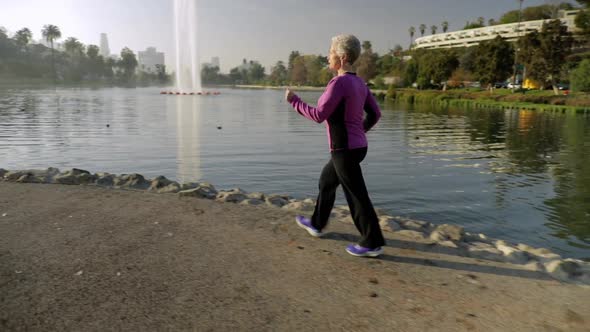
point(188, 72)
point(518, 175)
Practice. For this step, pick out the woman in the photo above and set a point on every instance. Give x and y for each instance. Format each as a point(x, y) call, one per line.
point(341, 106)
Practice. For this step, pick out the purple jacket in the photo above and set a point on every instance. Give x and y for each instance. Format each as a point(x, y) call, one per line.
point(342, 105)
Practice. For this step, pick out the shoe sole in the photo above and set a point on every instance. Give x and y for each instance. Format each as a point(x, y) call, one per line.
point(367, 254)
point(311, 232)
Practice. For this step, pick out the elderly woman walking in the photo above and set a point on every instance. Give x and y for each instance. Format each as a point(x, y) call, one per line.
point(342, 106)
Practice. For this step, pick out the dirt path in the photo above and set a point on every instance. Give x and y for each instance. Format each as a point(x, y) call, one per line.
point(78, 258)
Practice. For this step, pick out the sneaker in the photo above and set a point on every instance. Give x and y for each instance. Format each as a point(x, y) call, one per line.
point(356, 250)
point(306, 224)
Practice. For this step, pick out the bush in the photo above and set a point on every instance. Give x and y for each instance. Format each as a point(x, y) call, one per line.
point(580, 77)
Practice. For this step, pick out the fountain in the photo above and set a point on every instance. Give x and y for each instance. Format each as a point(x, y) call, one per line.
point(188, 71)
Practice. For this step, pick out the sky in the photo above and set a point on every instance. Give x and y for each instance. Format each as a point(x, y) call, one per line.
point(262, 30)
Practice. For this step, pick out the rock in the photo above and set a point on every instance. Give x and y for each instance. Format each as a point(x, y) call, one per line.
point(414, 225)
point(543, 255)
point(134, 181)
point(380, 212)
point(448, 244)
point(564, 270)
point(484, 251)
point(447, 232)
point(77, 171)
point(412, 235)
point(189, 185)
point(389, 224)
point(12, 176)
point(309, 201)
point(159, 183)
point(173, 187)
point(345, 220)
point(231, 197)
point(86, 178)
point(66, 178)
point(469, 237)
point(512, 255)
point(299, 206)
point(277, 200)
point(30, 178)
point(3, 172)
point(105, 179)
point(204, 190)
point(534, 266)
point(259, 196)
point(252, 201)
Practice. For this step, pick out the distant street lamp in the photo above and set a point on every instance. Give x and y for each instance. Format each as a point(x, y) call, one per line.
point(516, 46)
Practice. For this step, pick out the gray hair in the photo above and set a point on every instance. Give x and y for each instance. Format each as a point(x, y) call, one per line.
point(347, 44)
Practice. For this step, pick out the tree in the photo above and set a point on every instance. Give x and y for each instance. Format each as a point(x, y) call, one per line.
point(128, 64)
point(23, 37)
point(422, 29)
point(397, 50)
point(433, 29)
point(278, 73)
point(435, 67)
point(445, 26)
point(367, 62)
point(548, 52)
point(210, 74)
point(481, 21)
point(255, 72)
point(292, 57)
point(491, 22)
point(580, 77)
point(73, 46)
point(583, 21)
point(51, 33)
point(412, 32)
point(494, 61)
point(92, 51)
point(299, 72)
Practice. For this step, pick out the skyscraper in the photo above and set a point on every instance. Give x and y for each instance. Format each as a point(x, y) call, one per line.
point(149, 58)
point(104, 46)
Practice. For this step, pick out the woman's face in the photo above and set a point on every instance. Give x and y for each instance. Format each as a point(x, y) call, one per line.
point(334, 60)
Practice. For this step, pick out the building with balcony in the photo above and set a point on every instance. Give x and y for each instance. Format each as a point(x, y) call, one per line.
point(510, 32)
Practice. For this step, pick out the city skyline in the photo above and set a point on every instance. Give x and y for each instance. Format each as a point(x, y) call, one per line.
point(260, 30)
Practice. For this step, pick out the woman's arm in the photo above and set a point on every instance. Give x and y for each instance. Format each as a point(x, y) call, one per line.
point(372, 110)
point(326, 104)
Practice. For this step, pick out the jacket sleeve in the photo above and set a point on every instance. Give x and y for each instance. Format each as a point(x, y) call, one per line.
point(372, 110)
point(326, 104)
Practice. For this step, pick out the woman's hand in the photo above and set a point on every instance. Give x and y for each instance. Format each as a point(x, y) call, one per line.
point(289, 95)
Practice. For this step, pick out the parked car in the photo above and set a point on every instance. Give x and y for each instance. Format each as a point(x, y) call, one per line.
point(500, 85)
point(514, 86)
point(563, 86)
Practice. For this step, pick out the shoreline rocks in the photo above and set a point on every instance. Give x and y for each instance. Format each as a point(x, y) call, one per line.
point(449, 237)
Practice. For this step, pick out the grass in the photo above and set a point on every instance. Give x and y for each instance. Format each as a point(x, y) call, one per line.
point(500, 98)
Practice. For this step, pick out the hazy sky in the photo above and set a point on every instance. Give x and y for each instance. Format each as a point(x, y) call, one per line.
point(263, 30)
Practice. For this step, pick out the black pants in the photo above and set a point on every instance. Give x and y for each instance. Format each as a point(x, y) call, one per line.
point(344, 169)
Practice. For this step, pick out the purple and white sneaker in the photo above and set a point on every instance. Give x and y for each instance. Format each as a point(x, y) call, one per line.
point(356, 250)
point(306, 224)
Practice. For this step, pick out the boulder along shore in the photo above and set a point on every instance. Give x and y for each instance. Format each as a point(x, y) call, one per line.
point(105, 250)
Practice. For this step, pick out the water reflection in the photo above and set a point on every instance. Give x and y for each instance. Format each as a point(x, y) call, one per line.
point(188, 123)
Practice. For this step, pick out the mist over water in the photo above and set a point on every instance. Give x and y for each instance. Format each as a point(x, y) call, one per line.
point(188, 77)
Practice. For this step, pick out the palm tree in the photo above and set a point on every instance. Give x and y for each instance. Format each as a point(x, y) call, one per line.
point(23, 36)
point(433, 29)
point(445, 26)
point(73, 46)
point(367, 46)
point(422, 29)
point(412, 31)
point(50, 33)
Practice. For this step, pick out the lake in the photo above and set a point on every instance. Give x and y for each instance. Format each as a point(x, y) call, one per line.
point(523, 176)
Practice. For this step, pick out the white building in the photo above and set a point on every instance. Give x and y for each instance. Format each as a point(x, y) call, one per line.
point(149, 58)
point(472, 37)
point(105, 51)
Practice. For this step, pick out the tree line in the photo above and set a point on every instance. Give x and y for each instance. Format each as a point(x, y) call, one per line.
point(76, 62)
